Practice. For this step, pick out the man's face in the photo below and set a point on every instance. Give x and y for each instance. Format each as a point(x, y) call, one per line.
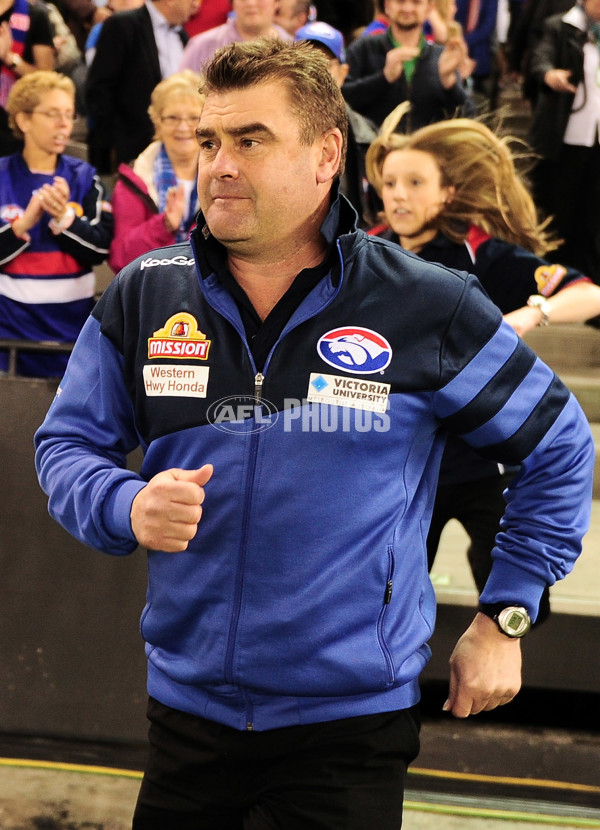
point(286, 16)
point(177, 12)
point(254, 16)
point(407, 14)
point(592, 9)
point(257, 184)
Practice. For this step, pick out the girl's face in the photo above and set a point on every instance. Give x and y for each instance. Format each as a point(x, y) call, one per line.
point(412, 195)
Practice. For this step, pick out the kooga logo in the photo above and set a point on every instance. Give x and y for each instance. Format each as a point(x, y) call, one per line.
point(153, 262)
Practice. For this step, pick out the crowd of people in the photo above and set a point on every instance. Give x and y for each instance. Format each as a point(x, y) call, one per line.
point(440, 57)
point(260, 139)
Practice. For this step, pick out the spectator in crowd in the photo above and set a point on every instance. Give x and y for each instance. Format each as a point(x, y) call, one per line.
point(525, 34)
point(206, 15)
point(435, 27)
point(289, 606)
point(400, 65)
point(81, 15)
point(135, 51)
point(564, 132)
point(69, 58)
point(92, 40)
point(26, 44)
point(379, 24)
point(452, 195)
point(478, 21)
point(292, 14)
point(361, 132)
point(252, 19)
point(54, 224)
point(439, 27)
point(155, 201)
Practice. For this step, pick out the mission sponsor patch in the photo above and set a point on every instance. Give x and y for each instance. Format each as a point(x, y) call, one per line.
point(179, 338)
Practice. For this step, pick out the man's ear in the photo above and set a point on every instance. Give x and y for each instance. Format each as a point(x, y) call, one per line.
point(330, 155)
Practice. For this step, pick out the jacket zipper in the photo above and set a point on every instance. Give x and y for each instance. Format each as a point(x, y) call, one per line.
point(258, 384)
point(239, 583)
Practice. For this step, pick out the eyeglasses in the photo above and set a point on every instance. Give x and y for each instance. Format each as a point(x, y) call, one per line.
point(176, 120)
point(55, 115)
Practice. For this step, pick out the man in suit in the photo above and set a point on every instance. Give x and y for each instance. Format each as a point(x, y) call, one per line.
point(136, 49)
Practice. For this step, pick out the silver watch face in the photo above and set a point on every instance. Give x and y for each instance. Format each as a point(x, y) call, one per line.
point(514, 621)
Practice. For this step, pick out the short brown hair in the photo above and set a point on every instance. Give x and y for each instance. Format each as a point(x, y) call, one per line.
point(28, 91)
point(313, 94)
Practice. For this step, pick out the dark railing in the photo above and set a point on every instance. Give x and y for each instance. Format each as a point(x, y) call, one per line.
point(15, 346)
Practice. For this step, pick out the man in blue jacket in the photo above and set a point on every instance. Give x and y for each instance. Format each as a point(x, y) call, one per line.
point(291, 381)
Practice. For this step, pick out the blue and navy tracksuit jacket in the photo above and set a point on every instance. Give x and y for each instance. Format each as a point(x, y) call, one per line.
point(304, 595)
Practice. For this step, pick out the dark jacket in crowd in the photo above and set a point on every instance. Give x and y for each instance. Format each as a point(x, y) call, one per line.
point(120, 81)
point(369, 93)
point(561, 47)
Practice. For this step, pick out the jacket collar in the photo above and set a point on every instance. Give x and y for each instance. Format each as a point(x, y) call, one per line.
point(577, 18)
point(341, 219)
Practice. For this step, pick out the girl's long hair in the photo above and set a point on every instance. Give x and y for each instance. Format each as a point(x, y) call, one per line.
point(480, 166)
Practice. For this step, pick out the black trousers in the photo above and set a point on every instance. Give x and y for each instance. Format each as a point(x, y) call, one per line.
point(340, 775)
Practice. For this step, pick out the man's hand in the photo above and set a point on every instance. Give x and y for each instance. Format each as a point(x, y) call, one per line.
point(395, 60)
point(165, 514)
point(558, 80)
point(485, 669)
point(451, 60)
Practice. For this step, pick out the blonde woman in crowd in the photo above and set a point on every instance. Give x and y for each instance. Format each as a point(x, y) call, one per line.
point(452, 194)
point(54, 224)
point(155, 199)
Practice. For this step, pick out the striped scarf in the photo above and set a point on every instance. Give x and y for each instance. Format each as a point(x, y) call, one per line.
point(19, 26)
point(164, 178)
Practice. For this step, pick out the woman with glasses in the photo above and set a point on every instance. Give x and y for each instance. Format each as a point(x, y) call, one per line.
point(55, 225)
point(155, 199)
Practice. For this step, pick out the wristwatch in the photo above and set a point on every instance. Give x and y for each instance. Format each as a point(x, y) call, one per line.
point(537, 301)
point(512, 620)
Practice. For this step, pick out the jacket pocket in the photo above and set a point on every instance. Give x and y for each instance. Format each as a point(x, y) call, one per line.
point(381, 634)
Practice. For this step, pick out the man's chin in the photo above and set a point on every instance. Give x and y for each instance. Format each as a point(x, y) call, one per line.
point(227, 235)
